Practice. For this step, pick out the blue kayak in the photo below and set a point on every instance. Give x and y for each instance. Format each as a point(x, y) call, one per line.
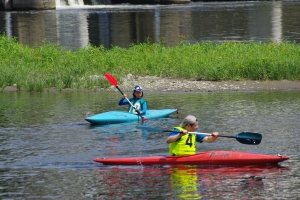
point(115, 117)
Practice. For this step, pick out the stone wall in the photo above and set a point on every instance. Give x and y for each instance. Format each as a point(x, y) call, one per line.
point(27, 5)
point(5, 4)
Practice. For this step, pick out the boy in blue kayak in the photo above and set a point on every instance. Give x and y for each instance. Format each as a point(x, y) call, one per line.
point(182, 143)
point(137, 101)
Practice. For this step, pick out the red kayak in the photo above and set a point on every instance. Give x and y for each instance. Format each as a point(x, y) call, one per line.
point(204, 158)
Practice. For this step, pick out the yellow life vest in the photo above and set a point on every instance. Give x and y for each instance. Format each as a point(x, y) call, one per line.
point(186, 145)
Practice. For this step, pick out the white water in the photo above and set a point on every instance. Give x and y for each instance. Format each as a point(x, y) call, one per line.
point(79, 2)
point(69, 2)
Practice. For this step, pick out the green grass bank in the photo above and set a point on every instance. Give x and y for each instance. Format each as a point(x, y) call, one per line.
point(50, 66)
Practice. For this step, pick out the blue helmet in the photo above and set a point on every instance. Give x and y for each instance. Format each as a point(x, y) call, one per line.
point(138, 88)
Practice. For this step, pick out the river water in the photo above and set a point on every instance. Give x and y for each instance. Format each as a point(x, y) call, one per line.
point(75, 26)
point(47, 148)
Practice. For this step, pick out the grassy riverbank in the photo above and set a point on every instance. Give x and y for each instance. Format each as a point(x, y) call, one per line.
point(48, 66)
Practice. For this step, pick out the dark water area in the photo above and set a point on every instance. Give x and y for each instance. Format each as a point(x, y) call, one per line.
point(75, 26)
point(47, 148)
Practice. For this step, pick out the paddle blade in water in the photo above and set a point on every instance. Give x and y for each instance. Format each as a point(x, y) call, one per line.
point(144, 119)
point(111, 79)
point(152, 129)
point(249, 138)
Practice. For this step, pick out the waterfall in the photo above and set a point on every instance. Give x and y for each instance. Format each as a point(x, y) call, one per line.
point(75, 2)
point(69, 3)
point(81, 2)
point(100, 2)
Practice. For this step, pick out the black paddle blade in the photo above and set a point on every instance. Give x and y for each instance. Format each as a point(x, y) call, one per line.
point(249, 138)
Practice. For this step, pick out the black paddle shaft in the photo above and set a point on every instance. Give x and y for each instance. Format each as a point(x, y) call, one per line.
point(243, 137)
point(120, 90)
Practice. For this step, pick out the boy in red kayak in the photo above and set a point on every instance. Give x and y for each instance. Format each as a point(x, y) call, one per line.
point(183, 143)
point(138, 101)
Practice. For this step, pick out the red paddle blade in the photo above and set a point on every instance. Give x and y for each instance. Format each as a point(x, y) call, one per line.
point(111, 79)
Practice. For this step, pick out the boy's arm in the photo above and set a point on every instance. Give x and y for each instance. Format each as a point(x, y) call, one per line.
point(144, 110)
point(123, 102)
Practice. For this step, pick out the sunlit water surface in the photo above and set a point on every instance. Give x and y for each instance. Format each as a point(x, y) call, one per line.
point(47, 148)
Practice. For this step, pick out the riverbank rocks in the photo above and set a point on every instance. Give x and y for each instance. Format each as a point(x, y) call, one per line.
point(153, 83)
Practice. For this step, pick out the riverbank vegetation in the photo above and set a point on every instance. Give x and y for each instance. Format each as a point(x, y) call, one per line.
point(50, 66)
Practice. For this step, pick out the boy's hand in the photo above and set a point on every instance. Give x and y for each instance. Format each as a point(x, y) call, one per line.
point(215, 134)
point(183, 132)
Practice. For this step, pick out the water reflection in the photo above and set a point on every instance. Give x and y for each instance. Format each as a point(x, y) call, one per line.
point(184, 181)
point(187, 182)
point(74, 27)
point(276, 20)
point(47, 148)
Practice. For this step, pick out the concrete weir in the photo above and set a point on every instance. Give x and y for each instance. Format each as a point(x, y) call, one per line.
point(8, 5)
point(27, 5)
point(151, 1)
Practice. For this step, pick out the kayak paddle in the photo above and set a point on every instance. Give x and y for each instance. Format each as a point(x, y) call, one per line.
point(114, 82)
point(243, 137)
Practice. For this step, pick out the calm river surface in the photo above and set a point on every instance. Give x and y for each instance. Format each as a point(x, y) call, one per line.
point(47, 148)
point(120, 25)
